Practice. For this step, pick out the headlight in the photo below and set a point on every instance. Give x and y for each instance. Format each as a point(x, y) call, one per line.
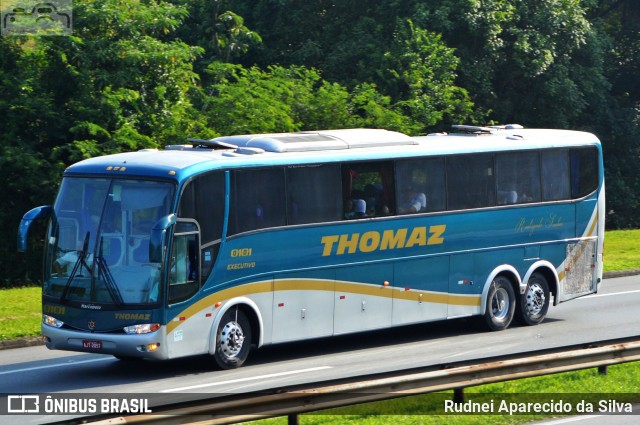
point(141, 329)
point(52, 321)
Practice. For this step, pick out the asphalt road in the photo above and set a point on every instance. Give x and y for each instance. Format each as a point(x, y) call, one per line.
point(612, 313)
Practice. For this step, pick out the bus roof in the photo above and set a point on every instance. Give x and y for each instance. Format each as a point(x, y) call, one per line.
point(181, 161)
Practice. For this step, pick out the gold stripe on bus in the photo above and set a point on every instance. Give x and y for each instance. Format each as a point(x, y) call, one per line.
point(225, 294)
point(364, 289)
point(303, 285)
point(438, 297)
point(320, 285)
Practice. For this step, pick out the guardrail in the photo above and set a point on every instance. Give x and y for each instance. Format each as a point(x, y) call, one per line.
point(291, 401)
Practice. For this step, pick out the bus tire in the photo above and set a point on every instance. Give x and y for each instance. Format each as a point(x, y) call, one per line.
point(501, 304)
point(534, 303)
point(233, 339)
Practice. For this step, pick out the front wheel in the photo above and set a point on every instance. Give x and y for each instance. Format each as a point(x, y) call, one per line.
point(534, 303)
point(233, 339)
point(501, 303)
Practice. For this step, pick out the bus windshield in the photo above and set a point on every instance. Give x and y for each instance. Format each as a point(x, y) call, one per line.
point(98, 245)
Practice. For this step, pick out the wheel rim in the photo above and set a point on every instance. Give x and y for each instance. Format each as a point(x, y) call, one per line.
point(535, 299)
point(500, 304)
point(231, 339)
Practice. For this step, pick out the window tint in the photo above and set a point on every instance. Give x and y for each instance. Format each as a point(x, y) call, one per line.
point(470, 181)
point(184, 280)
point(518, 178)
point(555, 175)
point(420, 185)
point(368, 189)
point(313, 194)
point(257, 200)
point(584, 171)
point(203, 200)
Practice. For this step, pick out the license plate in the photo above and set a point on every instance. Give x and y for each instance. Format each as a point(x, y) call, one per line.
point(94, 345)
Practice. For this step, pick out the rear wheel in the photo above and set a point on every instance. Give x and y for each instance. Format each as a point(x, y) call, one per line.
point(534, 303)
point(501, 304)
point(233, 339)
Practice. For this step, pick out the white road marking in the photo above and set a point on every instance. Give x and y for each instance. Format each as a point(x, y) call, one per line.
point(569, 420)
point(71, 363)
point(608, 295)
point(252, 378)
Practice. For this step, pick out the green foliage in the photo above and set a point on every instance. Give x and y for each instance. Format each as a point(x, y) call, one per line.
point(241, 100)
point(143, 74)
point(518, 56)
point(423, 71)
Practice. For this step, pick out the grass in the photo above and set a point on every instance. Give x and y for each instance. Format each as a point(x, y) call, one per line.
point(20, 312)
point(622, 250)
point(621, 383)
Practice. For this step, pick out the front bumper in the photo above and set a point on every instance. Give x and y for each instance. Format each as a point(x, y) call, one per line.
point(120, 345)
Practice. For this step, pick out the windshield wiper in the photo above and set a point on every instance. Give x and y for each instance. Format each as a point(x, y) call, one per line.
point(79, 263)
point(110, 283)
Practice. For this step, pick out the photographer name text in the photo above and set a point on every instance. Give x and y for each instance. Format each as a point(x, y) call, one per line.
point(551, 406)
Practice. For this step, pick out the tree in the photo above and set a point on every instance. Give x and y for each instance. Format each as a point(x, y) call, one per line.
point(242, 100)
point(223, 35)
point(420, 73)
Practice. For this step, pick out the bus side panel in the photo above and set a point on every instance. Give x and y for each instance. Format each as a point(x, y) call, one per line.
point(190, 324)
point(420, 290)
point(191, 335)
point(462, 280)
point(363, 301)
point(586, 223)
point(303, 305)
point(578, 273)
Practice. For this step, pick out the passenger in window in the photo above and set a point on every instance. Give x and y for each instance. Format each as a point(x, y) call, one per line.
point(373, 194)
point(507, 197)
point(355, 208)
point(359, 208)
point(63, 264)
point(349, 212)
point(413, 202)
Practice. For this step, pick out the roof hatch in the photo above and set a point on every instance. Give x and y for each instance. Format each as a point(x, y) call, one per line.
point(317, 140)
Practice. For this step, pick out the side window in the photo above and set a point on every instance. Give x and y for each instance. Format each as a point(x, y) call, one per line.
point(518, 178)
point(470, 181)
point(584, 171)
point(203, 201)
point(368, 190)
point(313, 194)
point(420, 185)
point(555, 175)
point(184, 263)
point(257, 200)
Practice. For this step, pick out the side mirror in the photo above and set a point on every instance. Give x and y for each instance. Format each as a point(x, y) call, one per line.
point(25, 224)
point(158, 237)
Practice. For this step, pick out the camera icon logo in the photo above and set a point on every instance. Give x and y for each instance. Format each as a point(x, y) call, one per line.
point(23, 404)
point(36, 18)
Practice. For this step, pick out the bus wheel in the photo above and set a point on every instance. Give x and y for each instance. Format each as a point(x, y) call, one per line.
point(501, 303)
point(534, 303)
point(233, 339)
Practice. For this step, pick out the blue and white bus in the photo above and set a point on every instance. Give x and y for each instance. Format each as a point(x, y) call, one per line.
point(241, 241)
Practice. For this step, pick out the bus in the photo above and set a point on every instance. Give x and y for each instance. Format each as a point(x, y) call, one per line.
point(221, 245)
